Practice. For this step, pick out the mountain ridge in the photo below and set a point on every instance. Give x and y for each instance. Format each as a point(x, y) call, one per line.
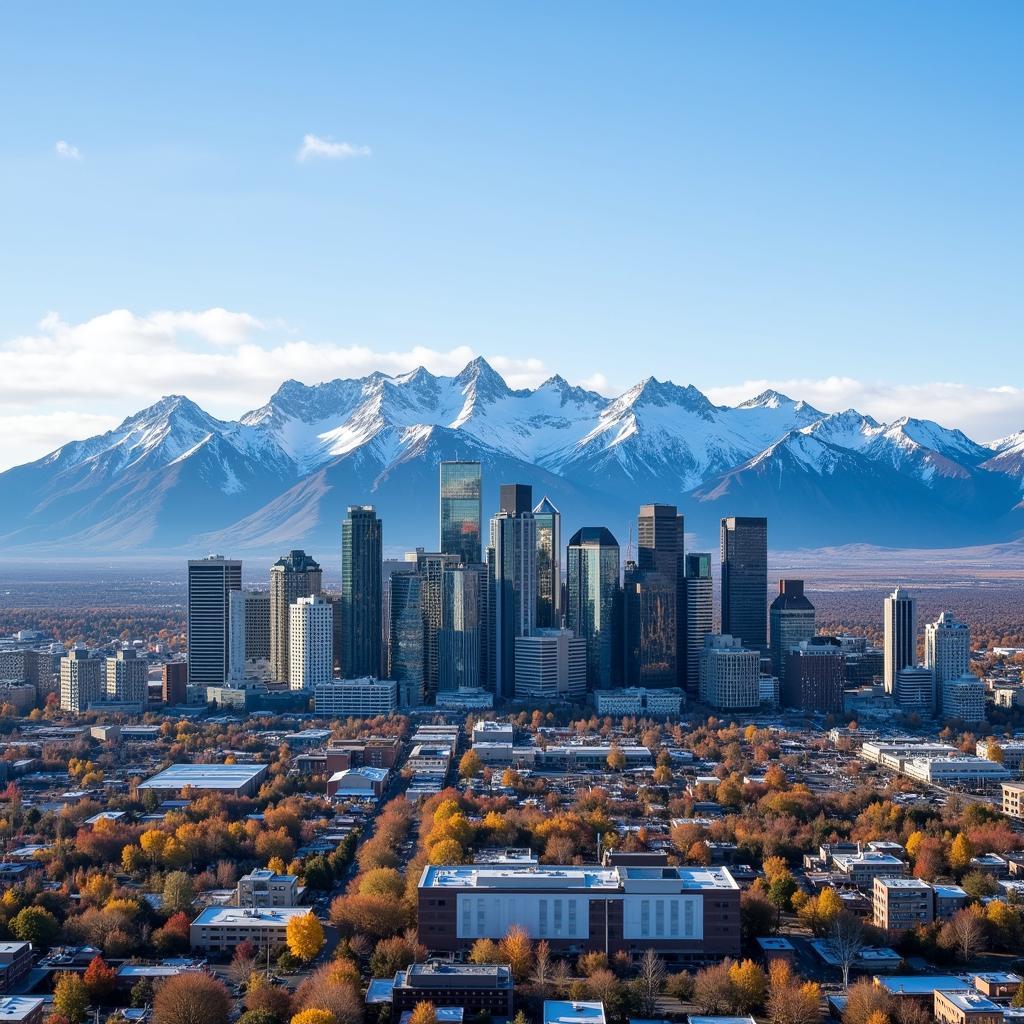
point(173, 477)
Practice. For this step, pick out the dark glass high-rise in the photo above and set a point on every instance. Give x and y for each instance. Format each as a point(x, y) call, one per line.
point(744, 549)
point(460, 512)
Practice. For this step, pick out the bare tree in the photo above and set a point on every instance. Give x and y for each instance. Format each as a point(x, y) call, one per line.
point(542, 969)
point(561, 977)
point(847, 940)
point(964, 933)
point(652, 981)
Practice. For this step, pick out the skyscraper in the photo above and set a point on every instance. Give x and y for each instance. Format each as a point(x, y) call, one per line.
point(791, 618)
point(405, 635)
point(311, 642)
point(462, 639)
point(512, 557)
point(291, 577)
point(592, 583)
point(947, 648)
point(744, 550)
point(361, 561)
point(549, 565)
point(698, 587)
point(431, 566)
point(461, 510)
point(653, 598)
point(900, 636)
point(210, 581)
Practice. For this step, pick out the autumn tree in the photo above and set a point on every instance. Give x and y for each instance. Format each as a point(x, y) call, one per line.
point(423, 1013)
point(179, 892)
point(749, 986)
point(193, 997)
point(865, 1000)
point(960, 853)
point(616, 758)
point(470, 765)
point(314, 1016)
point(305, 936)
point(99, 979)
point(517, 950)
point(71, 997)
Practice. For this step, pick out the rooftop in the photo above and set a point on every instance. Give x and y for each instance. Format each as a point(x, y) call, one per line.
point(902, 883)
point(205, 776)
point(557, 1011)
point(923, 984)
point(493, 876)
point(17, 1007)
point(972, 1001)
point(247, 918)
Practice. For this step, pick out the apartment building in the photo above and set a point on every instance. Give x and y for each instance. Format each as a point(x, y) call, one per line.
point(901, 904)
point(263, 888)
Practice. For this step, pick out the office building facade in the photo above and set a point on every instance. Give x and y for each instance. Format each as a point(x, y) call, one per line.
point(814, 676)
point(311, 642)
point(729, 673)
point(291, 577)
point(551, 665)
point(947, 648)
point(405, 635)
point(744, 598)
point(512, 558)
point(698, 588)
point(462, 640)
point(127, 678)
point(361, 598)
point(460, 512)
point(592, 604)
point(790, 620)
point(549, 564)
point(81, 680)
point(210, 582)
point(900, 636)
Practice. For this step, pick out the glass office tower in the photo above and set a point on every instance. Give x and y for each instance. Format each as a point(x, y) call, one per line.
point(461, 510)
point(549, 565)
point(592, 584)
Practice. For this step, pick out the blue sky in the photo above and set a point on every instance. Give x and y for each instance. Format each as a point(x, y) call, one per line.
point(825, 197)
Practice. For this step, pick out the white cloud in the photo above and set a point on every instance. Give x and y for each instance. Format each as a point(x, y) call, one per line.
point(32, 435)
point(66, 151)
point(313, 146)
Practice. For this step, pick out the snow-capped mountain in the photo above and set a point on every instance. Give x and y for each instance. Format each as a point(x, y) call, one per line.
point(173, 477)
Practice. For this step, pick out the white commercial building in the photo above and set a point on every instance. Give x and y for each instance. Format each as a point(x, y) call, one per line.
point(729, 673)
point(638, 700)
point(222, 929)
point(310, 643)
point(965, 771)
point(550, 664)
point(915, 689)
point(963, 697)
point(947, 648)
point(359, 698)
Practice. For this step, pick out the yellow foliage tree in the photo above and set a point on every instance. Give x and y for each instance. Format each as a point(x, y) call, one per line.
point(314, 1016)
point(960, 853)
point(305, 936)
point(423, 1013)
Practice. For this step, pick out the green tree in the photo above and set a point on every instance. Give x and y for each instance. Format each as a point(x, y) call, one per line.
point(36, 925)
point(179, 892)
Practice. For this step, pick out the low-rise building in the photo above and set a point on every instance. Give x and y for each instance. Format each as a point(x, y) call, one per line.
point(556, 1011)
point(665, 702)
point(997, 984)
point(15, 963)
point(357, 698)
point(688, 914)
point(21, 1010)
point(477, 988)
point(236, 779)
point(263, 888)
point(358, 783)
point(1013, 799)
point(966, 1008)
point(221, 929)
point(861, 869)
point(901, 904)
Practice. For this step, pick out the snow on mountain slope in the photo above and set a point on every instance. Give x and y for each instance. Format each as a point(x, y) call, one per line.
point(172, 473)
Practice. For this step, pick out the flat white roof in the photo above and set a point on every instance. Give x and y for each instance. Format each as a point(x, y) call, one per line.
point(495, 876)
point(243, 917)
point(558, 1011)
point(205, 776)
